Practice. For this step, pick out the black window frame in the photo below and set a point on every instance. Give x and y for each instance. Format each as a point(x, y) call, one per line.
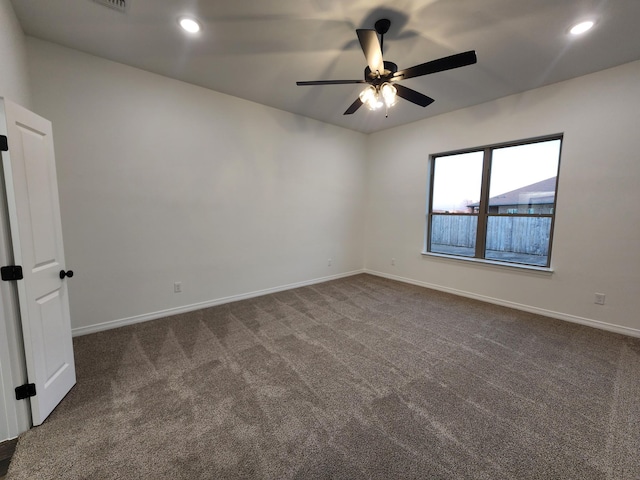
point(482, 212)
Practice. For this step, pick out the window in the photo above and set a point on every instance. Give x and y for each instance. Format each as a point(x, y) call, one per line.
point(495, 203)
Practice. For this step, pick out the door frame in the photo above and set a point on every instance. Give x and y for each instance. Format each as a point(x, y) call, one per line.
point(13, 369)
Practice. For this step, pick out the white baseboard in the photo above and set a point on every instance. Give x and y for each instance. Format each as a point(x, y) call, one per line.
point(99, 327)
point(632, 332)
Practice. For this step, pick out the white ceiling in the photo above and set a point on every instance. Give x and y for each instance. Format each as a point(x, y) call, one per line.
point(258, 49)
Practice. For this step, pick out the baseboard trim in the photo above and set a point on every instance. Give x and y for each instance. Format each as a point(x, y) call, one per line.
point(100, 327)
point(632, 332)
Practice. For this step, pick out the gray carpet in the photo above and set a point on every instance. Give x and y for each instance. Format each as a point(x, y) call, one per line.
point(361, 377)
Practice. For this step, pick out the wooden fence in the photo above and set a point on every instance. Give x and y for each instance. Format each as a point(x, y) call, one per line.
point(528, 235)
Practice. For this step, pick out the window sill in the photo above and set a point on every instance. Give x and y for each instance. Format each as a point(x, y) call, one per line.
point(492, 263)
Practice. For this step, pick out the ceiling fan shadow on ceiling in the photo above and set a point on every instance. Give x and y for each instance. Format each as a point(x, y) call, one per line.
point(382, 77)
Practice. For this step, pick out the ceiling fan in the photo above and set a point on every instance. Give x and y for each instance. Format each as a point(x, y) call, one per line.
point(382, 76)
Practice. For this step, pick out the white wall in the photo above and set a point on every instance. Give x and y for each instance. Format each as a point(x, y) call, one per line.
point(14, 82)
point(596, 244)
point(14, 415)
point(161, 181)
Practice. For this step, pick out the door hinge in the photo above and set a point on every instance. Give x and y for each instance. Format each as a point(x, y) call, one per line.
point(25, 391)
point(11, 272)
point(4, 145)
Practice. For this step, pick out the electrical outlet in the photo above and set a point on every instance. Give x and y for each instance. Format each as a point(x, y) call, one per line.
point(177, 287)
point(393, 261)
point(329, 263)
point(599, 298)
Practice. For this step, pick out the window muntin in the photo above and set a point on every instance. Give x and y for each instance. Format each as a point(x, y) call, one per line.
point(502, 211)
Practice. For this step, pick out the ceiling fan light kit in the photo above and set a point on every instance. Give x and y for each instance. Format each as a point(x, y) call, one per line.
point(383, 76)
point(370, 98)
point(375, 97)
point(389, 94)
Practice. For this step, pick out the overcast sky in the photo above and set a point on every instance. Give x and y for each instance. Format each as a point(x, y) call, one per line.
point(458, 177)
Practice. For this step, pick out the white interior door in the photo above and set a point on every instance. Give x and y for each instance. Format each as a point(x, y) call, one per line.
point(36, 234)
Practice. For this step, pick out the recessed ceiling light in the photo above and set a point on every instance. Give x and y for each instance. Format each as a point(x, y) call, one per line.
point(190, 25)
point(581, 27)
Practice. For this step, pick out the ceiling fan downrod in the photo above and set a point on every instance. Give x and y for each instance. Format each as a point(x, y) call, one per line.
point(382, 27)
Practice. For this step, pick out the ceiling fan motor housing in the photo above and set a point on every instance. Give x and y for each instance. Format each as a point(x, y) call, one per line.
point(389, 69)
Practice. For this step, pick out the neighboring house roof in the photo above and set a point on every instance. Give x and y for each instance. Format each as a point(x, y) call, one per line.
point(535, 194)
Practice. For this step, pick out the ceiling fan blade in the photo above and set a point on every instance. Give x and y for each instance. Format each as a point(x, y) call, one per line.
point(413, 96)
point(330, 82)
point(371, 48)
point(354, 106)
point(440, 65)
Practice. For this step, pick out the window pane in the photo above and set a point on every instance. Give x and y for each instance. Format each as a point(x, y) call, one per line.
point(456, 183)
point(454, 234)
point(518, 197)
point(518, 239)
point(523, 178)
